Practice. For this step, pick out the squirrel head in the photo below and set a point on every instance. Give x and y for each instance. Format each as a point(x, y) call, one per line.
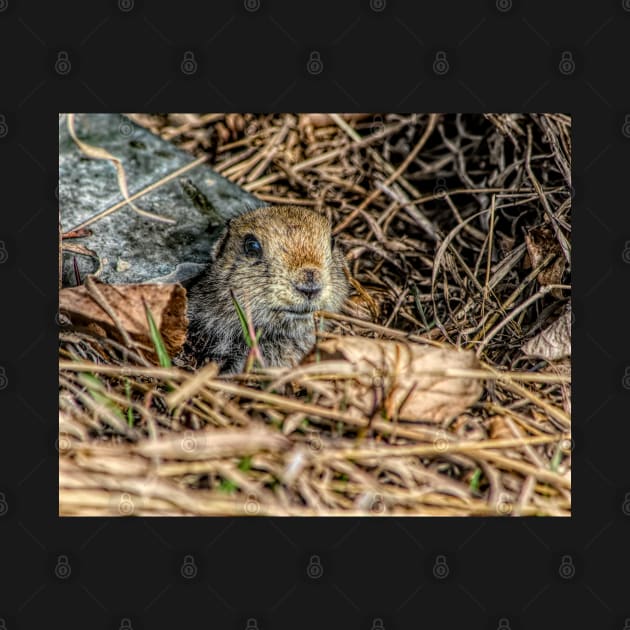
point(281, 263)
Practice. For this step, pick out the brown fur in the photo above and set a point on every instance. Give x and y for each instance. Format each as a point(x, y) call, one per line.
point(296, 252)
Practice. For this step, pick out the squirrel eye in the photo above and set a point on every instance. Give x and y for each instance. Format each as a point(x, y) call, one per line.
point(252, 246)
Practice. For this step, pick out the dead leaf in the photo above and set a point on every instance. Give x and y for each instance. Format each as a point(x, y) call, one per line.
point(410, 381)
point(554, 342)
point(167, 303)
point(498, 428)
point(541, 241)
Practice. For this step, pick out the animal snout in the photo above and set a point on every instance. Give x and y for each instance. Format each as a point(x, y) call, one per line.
point(309, 284)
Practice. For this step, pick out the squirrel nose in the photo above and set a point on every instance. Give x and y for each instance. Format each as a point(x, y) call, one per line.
point(309, 285)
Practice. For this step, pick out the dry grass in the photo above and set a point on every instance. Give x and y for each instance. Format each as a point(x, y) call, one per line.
point(433, 213)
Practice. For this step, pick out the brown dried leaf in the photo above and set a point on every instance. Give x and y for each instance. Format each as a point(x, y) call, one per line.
point(541, 242)
point(417, 382)
point(167, 303)
point(498, 428)
point(554, 342)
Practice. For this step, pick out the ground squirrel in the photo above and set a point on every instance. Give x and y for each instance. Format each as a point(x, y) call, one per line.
point(282, 265)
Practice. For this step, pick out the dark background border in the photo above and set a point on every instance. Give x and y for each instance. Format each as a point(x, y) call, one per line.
point(254, 55)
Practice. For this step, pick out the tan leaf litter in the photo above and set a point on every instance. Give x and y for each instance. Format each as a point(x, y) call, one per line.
point(554, 342)
point(417, 382)
point(120, 310)
point(541, 242)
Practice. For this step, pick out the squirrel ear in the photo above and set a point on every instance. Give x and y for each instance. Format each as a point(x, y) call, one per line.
point(219, 245)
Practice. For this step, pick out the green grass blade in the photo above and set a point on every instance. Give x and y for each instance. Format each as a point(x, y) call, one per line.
point(129, 409)
point(156, 338)
point(97, 390)
point(243, 319)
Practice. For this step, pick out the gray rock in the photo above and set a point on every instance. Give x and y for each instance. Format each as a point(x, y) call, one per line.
point(131, 247)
